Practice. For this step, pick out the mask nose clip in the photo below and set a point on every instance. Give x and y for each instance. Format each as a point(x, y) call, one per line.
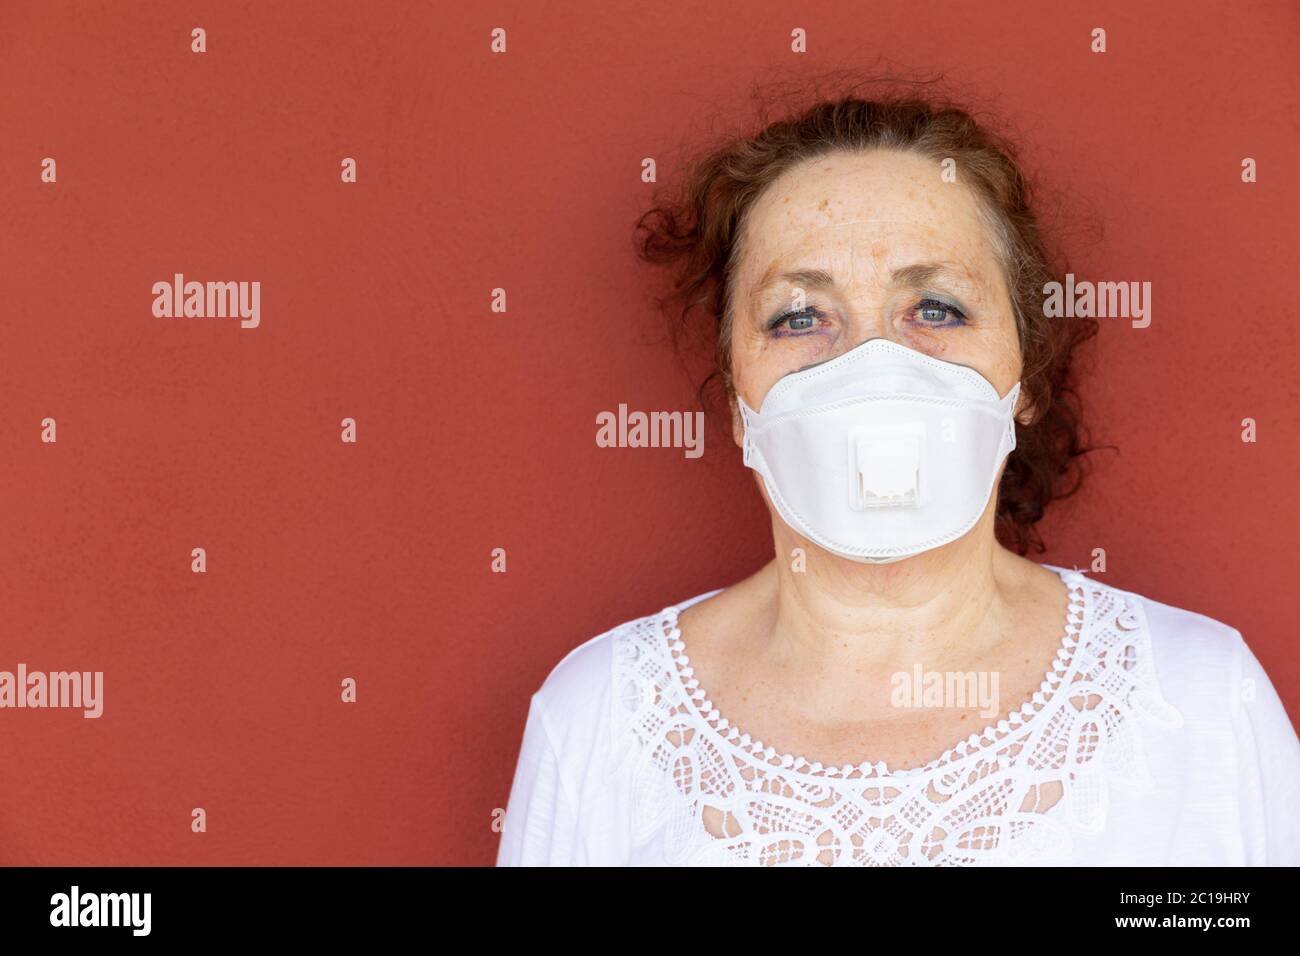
point(885, 466)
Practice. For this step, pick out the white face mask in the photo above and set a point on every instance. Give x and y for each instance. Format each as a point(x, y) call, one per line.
point(882, 452)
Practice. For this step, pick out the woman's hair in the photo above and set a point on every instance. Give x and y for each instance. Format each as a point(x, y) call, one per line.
point(698, 232)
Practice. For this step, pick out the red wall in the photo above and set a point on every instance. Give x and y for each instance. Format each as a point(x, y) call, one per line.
point(476, 429)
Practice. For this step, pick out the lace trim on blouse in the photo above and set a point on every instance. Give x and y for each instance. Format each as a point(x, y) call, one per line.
point(1018, 792)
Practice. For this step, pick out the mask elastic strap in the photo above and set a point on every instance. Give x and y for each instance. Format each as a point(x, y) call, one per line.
point(747, 446)
point(1009, 416)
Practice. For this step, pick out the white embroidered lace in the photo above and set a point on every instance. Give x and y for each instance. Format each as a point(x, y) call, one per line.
point(1017, 793)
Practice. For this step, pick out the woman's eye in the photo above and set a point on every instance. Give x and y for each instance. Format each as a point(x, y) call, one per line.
point(797, 320)
point(935, 313)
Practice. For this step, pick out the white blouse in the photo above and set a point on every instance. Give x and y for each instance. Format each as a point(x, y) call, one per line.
point(1155, 738)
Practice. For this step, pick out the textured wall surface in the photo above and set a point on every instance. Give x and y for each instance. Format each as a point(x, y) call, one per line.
point(372, 559)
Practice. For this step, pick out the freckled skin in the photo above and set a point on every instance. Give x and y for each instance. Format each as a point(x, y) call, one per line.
point(858, 217)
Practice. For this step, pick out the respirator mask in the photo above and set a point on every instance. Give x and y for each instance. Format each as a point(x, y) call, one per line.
point(882, 452)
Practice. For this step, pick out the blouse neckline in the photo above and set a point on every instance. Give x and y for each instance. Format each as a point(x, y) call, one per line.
point(1033, 711)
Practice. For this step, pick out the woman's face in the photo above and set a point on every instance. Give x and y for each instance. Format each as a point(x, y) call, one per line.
point(850, 247)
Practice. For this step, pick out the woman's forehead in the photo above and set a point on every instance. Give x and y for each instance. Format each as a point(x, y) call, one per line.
point(880, 184)
point(882, 211)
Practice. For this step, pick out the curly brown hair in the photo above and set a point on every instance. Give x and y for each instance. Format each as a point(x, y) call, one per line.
point(697, 230)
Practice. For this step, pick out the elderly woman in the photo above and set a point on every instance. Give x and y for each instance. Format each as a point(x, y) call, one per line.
point(896, 686)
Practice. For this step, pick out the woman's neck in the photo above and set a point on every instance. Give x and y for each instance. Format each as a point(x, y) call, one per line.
point(947, 609)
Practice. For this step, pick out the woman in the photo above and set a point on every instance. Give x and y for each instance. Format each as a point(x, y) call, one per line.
point(897, 686)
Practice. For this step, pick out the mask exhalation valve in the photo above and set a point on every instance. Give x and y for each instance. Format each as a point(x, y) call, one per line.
point(885, 466)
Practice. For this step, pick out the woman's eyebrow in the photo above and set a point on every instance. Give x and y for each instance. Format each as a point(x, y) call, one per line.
point(922, 273)
point(917, 274)
point(801, 278)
